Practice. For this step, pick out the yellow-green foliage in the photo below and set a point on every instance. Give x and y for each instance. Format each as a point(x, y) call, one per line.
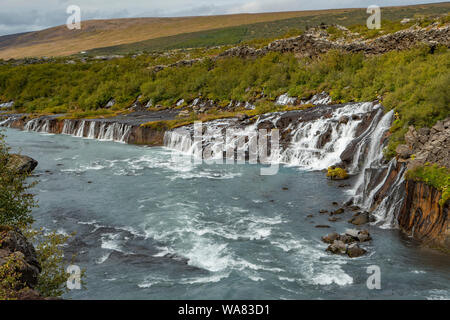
point(336, 173)
point(9, 277)
point(16, 202)
point(435, 176)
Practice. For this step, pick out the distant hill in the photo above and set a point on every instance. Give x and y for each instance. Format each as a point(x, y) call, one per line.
point(154, 34)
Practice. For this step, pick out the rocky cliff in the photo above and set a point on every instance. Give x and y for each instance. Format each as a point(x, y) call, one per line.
point(423, 218)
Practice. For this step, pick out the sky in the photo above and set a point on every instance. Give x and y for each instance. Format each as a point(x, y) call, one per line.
point(30, 15)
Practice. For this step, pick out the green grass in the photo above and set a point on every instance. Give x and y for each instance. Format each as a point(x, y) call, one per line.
point(435, 176)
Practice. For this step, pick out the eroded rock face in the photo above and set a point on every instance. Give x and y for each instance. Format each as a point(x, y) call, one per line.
point(422, 217)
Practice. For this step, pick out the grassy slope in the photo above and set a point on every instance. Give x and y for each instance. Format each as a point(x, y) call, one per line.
point(267, 30)
point(60, 41)
point(157, 34)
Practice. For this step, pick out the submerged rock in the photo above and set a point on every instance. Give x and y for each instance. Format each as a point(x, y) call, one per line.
point(361, 218)
point(354, 251)
point(338, 211)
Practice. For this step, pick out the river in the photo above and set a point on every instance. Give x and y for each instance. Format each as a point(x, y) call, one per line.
point(152, 226)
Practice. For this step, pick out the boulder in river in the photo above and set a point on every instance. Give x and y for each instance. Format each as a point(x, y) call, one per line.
point(338, 211)
point(360, 218)
point(337, 247)
point(354, 251)
point(329, 238)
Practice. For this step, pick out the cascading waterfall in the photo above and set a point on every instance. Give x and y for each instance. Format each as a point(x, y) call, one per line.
point(373, 158)
point(385, 211)
point(4, 122)
point(32, 125)
point(38, 125)
point(90, 129)
point(316, 144)
point(304, 149)
point(68, 127)
point(218, 137)
point(91, 133)
point(118, 132)
point(80, 131)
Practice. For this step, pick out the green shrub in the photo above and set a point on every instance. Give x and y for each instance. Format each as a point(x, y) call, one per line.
point(336, 173)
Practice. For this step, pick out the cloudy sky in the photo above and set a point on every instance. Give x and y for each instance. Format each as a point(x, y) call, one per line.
point(29, 15)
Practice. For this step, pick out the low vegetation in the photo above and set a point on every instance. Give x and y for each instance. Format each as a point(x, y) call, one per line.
point(336, 173)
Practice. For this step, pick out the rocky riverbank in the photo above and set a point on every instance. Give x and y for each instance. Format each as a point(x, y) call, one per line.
point(17, 254)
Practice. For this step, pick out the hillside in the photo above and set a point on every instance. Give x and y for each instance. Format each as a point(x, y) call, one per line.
point(59, 41)
point(157, 34)
point(270, 30)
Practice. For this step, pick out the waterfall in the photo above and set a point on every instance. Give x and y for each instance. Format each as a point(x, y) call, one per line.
point(315, 144)
point(373, 142)
point(32, 125)
point(80, 131)
point(68, 127)
point(114, 131)
point(4, 122)
point(389, 206)
point(306, 149)
point(90, 129)
point(91, 133)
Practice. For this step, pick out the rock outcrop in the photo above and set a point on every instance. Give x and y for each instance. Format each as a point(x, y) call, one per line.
point(347, 243)
point(419, 213)
point(22, 164)
point(20, 255)
point(427, 145)
point(313, 43)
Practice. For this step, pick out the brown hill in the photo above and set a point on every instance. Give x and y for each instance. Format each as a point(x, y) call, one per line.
point(59, 41)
